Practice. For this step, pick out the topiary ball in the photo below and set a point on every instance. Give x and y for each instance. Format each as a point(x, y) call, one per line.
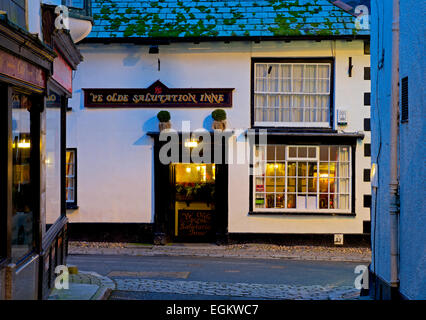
point(219, 115)
point(163, 116)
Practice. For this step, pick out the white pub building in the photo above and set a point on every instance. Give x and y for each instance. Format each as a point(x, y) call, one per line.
point(293, 78)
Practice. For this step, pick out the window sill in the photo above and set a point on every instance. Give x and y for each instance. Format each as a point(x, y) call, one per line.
point(72, 206)
point(286, 213)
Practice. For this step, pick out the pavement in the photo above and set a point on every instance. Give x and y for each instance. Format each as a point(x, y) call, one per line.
point(208, 271)
point(244, 251)
point(85, 285)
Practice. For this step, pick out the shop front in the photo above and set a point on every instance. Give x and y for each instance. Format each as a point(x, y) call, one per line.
point(25, 65)
point(35, 83)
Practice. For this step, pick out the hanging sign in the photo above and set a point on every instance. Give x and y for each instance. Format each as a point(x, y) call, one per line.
point(158, 95)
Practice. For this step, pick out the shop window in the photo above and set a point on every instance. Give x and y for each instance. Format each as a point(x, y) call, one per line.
point(53, 158)
point(292, 94)
point(302, 178)
point(22, 188)
point(15, 10)
point(71, 178)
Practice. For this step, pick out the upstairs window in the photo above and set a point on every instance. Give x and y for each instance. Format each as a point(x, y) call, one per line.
point(15, 10)
point(292, 94)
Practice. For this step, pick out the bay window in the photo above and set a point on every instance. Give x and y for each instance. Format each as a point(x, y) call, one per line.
point(295, 94)
point(298, 178)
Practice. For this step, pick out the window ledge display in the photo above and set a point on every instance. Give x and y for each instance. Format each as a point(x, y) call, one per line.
point(293, 213)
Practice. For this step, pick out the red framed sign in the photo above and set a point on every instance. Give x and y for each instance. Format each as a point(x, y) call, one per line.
point(158, 95)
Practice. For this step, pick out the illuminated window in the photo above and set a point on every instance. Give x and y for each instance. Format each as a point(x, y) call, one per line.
point(302, 178)
point(71, 177)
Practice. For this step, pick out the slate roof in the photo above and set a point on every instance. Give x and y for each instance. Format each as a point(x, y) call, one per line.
point(148, 19)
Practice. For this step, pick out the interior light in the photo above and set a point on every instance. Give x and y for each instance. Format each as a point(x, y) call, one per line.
point(198, 168)
point(191, 143)
point(24, 144)
point(188, 169)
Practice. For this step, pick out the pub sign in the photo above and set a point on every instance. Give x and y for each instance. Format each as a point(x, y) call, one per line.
point(158, 95)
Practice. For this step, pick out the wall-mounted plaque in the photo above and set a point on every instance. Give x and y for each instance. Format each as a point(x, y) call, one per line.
point(158, 95)
point(195, 223)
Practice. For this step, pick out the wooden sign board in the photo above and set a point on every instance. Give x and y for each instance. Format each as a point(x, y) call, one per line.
point(195, 223)
point(158, 96)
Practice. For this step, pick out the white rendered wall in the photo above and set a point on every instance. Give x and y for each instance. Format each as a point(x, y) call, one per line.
point(115, 156)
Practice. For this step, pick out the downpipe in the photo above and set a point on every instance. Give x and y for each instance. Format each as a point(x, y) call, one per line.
point(394, 134)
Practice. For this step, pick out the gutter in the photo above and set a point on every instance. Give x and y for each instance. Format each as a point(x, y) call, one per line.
point(394, 134)
point(167, 41)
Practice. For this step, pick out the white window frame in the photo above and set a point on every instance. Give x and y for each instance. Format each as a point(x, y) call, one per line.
point(323, 124)
point(295, 159)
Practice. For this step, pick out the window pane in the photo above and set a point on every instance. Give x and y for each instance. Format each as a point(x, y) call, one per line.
point(312, 152)
point(270, 170)
point(280, 169)
point(280, 185)
point(302, 152)
point(286, 71)
point(270, 184)
point(301, 172)
point(291, 169)
point(323, 185)
point(312, 169)
point(291, 184)
point(343, 185)
point(260, 200)
point(292, 152)
point(280, 152)
point(301, 185)
point(279, 200)
point(22, 212)
point(323, 201)
point(344, 202)
point(270, 203)
point(332, 202)
point(323, 71)
point(291, 201)
point(333, 153)
point(261, 71)
point(53, 162)
point(344, 154)
point(312, 185)
point(324, 153)
point(271, 153)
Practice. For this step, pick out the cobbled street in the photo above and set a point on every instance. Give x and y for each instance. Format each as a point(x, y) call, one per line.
point(224, 278)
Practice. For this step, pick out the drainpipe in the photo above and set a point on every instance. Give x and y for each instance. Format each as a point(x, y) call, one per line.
point(394, 134)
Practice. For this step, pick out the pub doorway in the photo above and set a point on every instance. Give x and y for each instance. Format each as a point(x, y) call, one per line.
point(193, 202)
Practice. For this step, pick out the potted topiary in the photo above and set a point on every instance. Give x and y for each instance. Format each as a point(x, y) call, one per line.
point(219, 117)
point(164, 118)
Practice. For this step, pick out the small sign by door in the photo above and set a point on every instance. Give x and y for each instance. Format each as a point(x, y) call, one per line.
point(195, 223)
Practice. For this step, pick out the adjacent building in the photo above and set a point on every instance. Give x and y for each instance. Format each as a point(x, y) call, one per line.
point(295, 72)
point(37, 60)
point(398, 205)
